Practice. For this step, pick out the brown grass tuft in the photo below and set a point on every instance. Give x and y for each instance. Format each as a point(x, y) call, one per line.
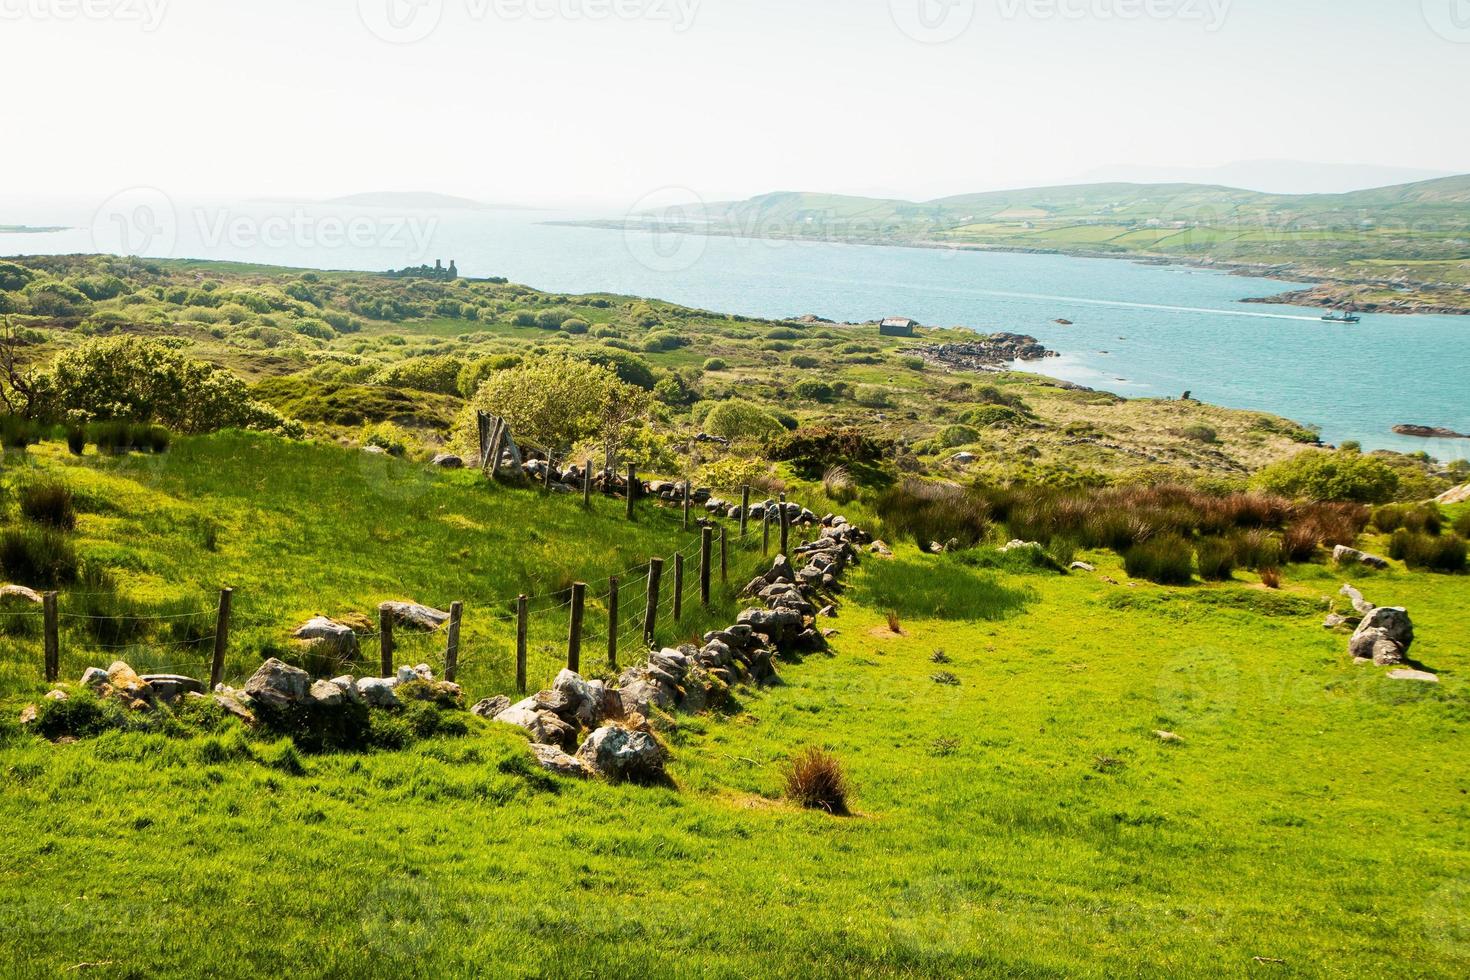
point(814, 778)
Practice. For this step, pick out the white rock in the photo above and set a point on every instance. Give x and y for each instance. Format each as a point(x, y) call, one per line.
point(1413, 675)
point(378, 691)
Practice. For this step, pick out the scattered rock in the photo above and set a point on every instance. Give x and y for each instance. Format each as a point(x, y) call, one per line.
point(1082, 566)
point(277, 685)
point(553, 759)
point(490, 707)
point(1343, 555)
point(170, 686)
point(448, 461)
point(621, 754)
point(1363, 606)
point(1422, 676)
point(327, 694)
point(1384, 636)
point(1168, 737)
point(94, 678)
point(378, 691)
point(20, 592)
point(28, 715)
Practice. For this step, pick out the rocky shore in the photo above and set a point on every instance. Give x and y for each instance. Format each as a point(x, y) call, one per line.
point(1429, 432)
point(1333, 296)
point(985, 353)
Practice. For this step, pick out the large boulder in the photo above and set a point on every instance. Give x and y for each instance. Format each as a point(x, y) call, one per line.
point(448, 461)
point(415, 615)
point(1384, 636)
point(490, 707)
point(624, 755)
point(170, 686)
point(335, 636)
point(378, 691)
point(590, 703)
point(278, 685)
point(545, 727)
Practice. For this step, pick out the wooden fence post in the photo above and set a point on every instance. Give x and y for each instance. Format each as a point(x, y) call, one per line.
point(650, 613)
point(724, 558)
point(522, 622)
point(612, 623)
point(785, 525)
point(678, 588)
point(385, 639)
point(451, 648)
point(574, 636)
point(546, 474)
point(744, 510)
point(53, 637)
point(706, 538)
point(632, 482)
point(766, 532)
point(686, 504)
point(221, 638)
point(587, 484)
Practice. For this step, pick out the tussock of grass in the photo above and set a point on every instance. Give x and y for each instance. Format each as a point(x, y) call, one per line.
point(939, 588)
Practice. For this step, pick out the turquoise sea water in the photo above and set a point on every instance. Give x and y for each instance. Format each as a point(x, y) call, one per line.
point(1137, 329)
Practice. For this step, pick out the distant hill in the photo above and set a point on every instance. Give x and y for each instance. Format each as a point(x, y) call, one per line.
point(416, 200)
point(1271, 176)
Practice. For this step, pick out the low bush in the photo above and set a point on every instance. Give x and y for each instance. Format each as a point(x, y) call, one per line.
point(812, 451)
point(1165, 560)
point(76, 439)
point(49, 504)
point(1462, 525)
point(1441, 553)
point(989, 416)
point(814, 779)
point(715, 364)
point(1216, 559)
point(927, 512)
point(838, 484)
point(1331, 476)
point(1200, 433)
point(957, 435)
point(39, 557)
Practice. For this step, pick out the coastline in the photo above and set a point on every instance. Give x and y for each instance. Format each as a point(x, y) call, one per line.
point(1327, 292)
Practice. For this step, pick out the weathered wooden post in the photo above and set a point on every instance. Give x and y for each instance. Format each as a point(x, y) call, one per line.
point(574, 637)
point(451, 648)
point(678, 588)
point(785, 525)
point(53, 637)
point(650, 613)
point(522, 623)
point(706, 539)
point(546, 474)
point(385, 639)
point(587, 484)
point(686, 504)
point(724, 558)
point(221, 637)
point(766, 532)
point(612, 623)
point(632, 484)
point(744, 510)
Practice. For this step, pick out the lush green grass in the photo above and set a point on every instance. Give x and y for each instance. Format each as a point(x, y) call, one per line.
point(1026, 822)
point(303, 528)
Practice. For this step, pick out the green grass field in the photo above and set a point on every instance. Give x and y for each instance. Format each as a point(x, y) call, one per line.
point(1026, 821)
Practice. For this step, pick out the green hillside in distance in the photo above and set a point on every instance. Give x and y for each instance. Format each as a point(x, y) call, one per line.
point(1404, 248)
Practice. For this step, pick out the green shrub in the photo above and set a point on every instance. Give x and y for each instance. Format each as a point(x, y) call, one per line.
point(957, 435)
point(803, 361)
point(1200, 433)
point(18, 433)
point(1256, 549)
point(49, 504)
point(987, 416)
point(1462, 525)
point(39, 557)
point(715, 364)
point(1331, 476)
point(1216, 559)
point(1444, 553)
point(812, 390)
point(812, 451)
point(872, 396)
point(1165, 560)
point(737, 419)
point(76, 439)
point(662, 340)
point(574, 325)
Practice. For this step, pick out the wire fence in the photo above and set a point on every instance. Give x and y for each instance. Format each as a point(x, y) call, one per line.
point(197, 641)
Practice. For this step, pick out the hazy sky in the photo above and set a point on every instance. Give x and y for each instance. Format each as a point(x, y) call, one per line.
point(581, 101)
